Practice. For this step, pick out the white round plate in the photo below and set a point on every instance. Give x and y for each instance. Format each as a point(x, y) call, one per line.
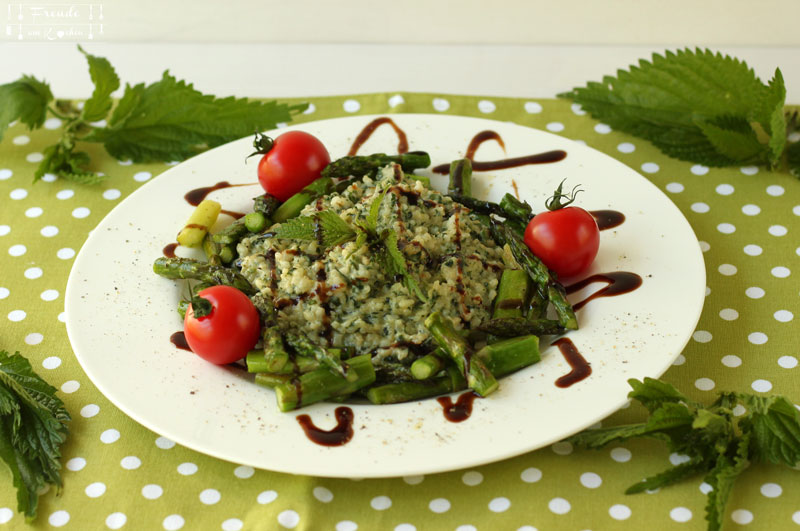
point(120, 315)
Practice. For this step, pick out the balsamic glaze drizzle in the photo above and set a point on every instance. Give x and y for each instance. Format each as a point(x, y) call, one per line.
point(363, 136)
point(169, 249)
point(461, 409)
point(608, 219)
point(581, 368)
point(179, 340)
point(339, 435)
point(618, 283)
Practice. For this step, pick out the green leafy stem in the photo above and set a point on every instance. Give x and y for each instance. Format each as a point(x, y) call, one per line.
point(164, 121)
point(720, 440)
point(699, 106)
point(33, 426)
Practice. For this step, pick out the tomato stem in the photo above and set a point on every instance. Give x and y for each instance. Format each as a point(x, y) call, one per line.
point(555, 202)
point(200, 306)
point(262, 143)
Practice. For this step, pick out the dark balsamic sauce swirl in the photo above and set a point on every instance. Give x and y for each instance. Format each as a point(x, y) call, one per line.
point(179, 340)
point(338, 436)
point(546, 157)
point(479, 139)
point(196, 196)
point(581, 369)
point(363, 136)
point(607, 219)
point(618, 283)
point(169, 249)
point(461, 409)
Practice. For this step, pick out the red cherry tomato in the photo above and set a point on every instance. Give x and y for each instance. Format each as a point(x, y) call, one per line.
point(566, 240)
point(294, 161)
point(228, 332)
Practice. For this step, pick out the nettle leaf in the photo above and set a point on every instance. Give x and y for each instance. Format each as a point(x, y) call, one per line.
point(332, 229)
point(672, 422)
point(325, 227)
point(394, 262)
point(129, 101)
point(652, 393)
point(33, 426)
point(734, 138)
point(299, 228)
point(597, 438)
point(714, 429)
point(670, 476)
point(675, 100)
point(716, 441)
point(775, 426)
point(722, 478)
point(371, 223)
point(170, 120)
point(70, 165)
point(771, 116)
point(25, 100)
point(105, 81)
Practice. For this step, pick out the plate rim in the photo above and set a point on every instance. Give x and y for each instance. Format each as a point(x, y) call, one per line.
point(131, 412)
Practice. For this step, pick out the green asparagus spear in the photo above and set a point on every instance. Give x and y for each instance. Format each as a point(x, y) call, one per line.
point(558, 298)
point(519, 326)
point(517, 227)
point(211, 248)
point(429, 365)
point(407, 391)
point(271, 380)
point(216, 253)
point(537, 307)
point(505, 357)
point(460, 178)
point(478, 377)
point(227, 254)
point(198, 224)
point(546, 286)
point(395, 393)
point(392, 372)
point(512, 297)
point(255, 222)
point(275, 355)
point(478, 205)
point(257, 362)
point(291, 207)
point(512, 294)
point(329, 357)
point(177, 268)
point(231, 234)
point(266, 204)
point(343, 185)
point(515, 209)
point(361, 165)
point(323, 384)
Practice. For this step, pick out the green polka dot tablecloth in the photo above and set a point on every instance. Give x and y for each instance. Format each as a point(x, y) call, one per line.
point(119, 475)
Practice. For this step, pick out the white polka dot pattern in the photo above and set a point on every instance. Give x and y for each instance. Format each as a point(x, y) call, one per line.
point(746, 221)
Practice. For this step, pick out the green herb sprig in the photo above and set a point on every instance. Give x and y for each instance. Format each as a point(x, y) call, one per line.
point(719, 443)
point(325, 227)
point(33, 426)
point(161, 122)
point(698, 106)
